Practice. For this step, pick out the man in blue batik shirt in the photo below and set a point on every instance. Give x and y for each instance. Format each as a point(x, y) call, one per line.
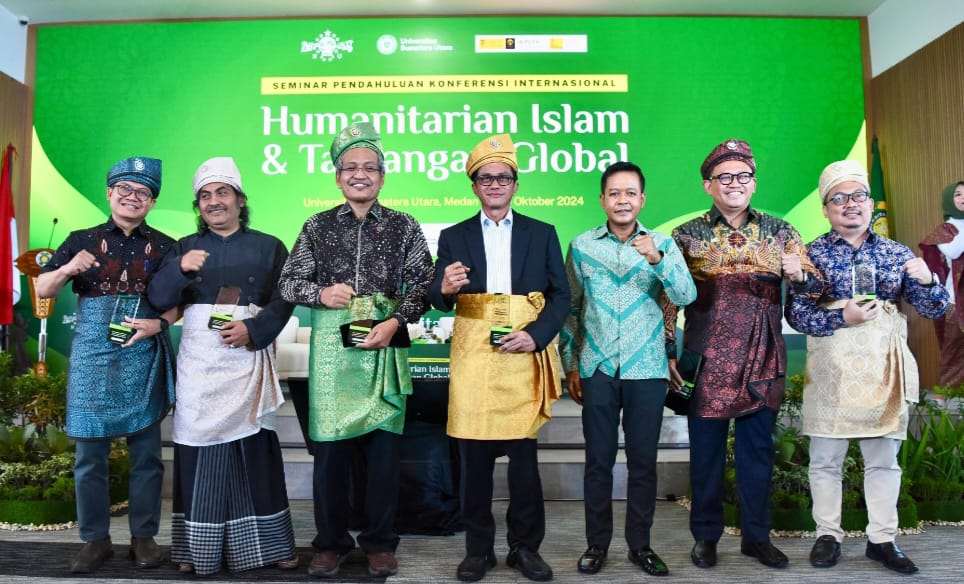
point(614, 355)
point(861, 375)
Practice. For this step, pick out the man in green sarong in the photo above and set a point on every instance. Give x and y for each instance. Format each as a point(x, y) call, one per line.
point(354, 263)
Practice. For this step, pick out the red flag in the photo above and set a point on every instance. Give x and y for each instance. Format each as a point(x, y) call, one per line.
point(9, 276)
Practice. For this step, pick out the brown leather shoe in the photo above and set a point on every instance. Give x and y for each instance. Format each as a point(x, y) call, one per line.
point(382, 564)
point(145, 552)
point(92, 556)
point(325, 564)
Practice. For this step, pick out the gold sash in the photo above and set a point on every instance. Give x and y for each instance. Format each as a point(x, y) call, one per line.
point(860, 379)
point(495, 395)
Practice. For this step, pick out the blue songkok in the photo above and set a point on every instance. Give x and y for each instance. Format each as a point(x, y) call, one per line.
point(146, 171)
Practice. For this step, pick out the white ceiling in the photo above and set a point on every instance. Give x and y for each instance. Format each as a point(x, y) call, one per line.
point(56, 11)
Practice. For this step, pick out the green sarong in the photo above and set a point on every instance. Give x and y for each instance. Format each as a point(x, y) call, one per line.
point(354, 391)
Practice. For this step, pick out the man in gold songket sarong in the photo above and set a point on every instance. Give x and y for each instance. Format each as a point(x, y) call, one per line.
point(365, 264)
point(503, 272)
point(861, 375)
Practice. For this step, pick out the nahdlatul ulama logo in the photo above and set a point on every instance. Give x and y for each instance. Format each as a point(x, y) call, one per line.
point(327, 47)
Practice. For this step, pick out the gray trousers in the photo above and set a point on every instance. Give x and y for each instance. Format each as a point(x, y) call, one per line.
point(146, 481)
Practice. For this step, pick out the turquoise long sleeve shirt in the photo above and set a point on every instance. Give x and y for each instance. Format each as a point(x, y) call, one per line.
point(615, 321)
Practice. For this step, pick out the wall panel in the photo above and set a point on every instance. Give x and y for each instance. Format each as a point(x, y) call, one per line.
point(918, 116)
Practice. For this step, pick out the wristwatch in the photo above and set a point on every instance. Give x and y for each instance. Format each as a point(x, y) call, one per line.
point(401, 320)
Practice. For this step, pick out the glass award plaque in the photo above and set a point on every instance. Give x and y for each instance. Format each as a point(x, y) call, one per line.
point(501, 318)
point(125, 305)
point(864, 283)
point(223, 310)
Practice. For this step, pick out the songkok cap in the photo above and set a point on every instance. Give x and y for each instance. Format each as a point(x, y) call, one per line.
point(497, 148)
point(359, 135)
point(947, 202)
point(221, 169)
point(840, 172)
point(731, 149)
point(146, 171)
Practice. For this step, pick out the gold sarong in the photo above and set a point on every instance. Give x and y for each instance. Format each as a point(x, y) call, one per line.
point(860, 380)
point(495, 395)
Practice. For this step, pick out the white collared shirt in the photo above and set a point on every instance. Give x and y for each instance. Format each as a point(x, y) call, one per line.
point(497, 238)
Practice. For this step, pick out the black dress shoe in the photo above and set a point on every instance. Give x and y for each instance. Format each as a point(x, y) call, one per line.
point(647, 559)
point(530, 563)
point(704, 553)
point(825, 552)
point(591, 561)
point(766, 552)
point(92, 556)
point(891, 556)
point(472, 568)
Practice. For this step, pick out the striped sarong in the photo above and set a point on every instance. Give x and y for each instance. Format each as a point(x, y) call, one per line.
point(230, 503)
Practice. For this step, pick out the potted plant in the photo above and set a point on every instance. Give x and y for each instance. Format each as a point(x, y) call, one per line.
point(931, 457)
point(36, 457)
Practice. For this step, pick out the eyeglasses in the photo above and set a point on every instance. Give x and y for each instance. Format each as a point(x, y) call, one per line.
point(726, 178)
point(486, 180)
point(367, 169)
point(126, 190)
point(840, 199)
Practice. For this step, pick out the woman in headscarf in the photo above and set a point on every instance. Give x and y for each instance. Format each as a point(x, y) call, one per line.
point(942, 250)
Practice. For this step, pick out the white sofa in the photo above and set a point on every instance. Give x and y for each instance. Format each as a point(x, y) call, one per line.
point(291, 348)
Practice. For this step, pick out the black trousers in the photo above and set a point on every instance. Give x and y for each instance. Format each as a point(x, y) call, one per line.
point(378, 451)
point(754, 452)
point(641, 402)
point(526, 516)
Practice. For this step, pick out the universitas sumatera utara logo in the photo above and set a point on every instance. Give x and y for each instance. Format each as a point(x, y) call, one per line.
point(327, 47)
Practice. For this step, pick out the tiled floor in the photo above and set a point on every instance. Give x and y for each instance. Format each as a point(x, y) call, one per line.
point(938, 552)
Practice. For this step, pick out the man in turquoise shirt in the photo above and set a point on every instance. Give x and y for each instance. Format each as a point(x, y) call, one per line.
point(614, 355)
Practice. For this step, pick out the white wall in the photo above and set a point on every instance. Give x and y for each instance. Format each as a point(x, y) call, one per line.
point(898, 28)
point(13, 45)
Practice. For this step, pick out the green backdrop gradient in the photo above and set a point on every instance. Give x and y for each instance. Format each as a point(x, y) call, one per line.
point(185, 92)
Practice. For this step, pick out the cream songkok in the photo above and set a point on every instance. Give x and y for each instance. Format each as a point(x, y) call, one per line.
point(840, 172)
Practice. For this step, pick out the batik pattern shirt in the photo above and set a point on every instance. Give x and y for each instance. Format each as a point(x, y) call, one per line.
point(835, 258)
point(735, 321)
point(713, 248)
point(383, 252)
point(615, 322)
point(127, 262)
